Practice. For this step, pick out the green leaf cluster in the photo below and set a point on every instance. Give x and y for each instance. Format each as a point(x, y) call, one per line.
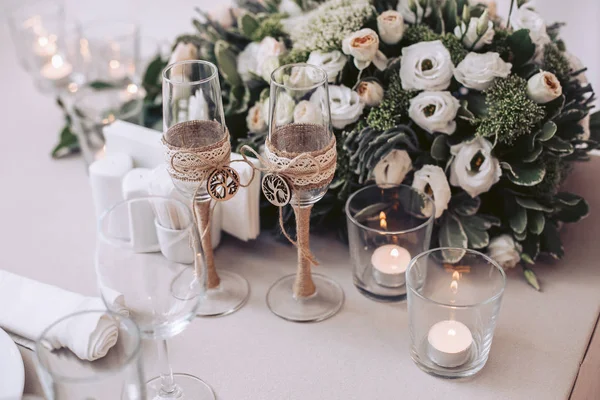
point(422, 33)
point(556, 62)
point(394, 107)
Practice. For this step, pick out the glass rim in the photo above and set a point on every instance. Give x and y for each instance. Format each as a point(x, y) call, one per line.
point(16, 8)
point(214, 72)
point(133, 28)
point(321, 82)
point(428, 221)
point(66, 379)
point(491, 261)
point(109, 210)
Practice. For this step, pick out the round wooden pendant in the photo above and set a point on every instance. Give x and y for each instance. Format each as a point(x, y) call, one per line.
point(276, 189)
point(223, 183)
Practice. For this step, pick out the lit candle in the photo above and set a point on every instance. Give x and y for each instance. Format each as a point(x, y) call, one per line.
point(389, 265)
point(45, 46)
point(449, 343)
point(56, 69)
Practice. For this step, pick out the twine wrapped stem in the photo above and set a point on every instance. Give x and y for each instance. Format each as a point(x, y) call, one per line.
point(203, 211)
point(303, 285)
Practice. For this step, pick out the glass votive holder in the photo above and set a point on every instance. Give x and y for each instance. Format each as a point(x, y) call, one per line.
point(387, 226)
point(452, 310)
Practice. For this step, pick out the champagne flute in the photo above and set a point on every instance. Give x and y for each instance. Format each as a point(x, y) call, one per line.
point(193, 118)
point(300, 129)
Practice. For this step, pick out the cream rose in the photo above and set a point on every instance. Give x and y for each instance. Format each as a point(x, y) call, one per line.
point(505, 251)
point(411, 16)
point(332, 62)
point(431, 179)
point(474, 37)
point(284, 109)
point(426, 66)
point(392, 169)
point(256, 120)
point(370, 93)
point(478, 71)
point(345, 105)
point(474, 168)
point(247, 62)
point(543, 87)
point(434, 111)
point(525, 18)
point(268, 66)
point(363, 45)
point(306, 112)
point(390, 25)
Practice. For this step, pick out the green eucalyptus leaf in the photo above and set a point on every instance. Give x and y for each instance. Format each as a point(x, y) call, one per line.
point(531, 248)
point(548, 131)
point(536, 221)
point(521, 46)
point(476, 222)
point(520, 236)
point(490, 219)
point(576, 213)
point(67, 143)
point(550, 241)
point(567, 198)
point(478, 239)
point(101, 85)
point(518, 220)
point(227, 63)
point(529, 174)
point(525, 257)
point(439, 148)
point(247, 24)
point(559, 146)
point(469, 206)
point(452, 234)
point(538, 148)
point(531, 278)
point(532, 204)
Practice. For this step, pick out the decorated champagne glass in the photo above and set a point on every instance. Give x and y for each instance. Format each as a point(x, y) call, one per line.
point(198, 154)
point(301, 153)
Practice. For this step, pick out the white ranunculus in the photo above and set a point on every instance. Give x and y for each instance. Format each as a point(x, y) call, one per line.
point(426, 66)
point(284, 109)
point(525, 18)
point(363, 46)
point(307, 113)
point(543, 87)
point(370, 93)
point(392, 169)
point(505, 251)
point(332, 62)
point(478, 71)
point(470, 38)
point(585, 124)
point(268, 66)
point(344, 103)
point(247, 62)
point(474, 168)
point(409, 15)
point(390, 25)
point(431, 179)
point(289, 7)
point(256, 120)
point(197, 106)
point(434, 111)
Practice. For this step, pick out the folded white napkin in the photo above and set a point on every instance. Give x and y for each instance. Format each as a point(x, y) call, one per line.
point(28, 307)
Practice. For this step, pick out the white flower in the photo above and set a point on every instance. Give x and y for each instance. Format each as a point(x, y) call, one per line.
point(289, 7)
point(257, 59)
point(585, 124)
point(370, 93)
point(345, 105)
point(470, 38)
point(505, 251)
point(247, 62)
point(270, 47)
point(256, 120)
point(307, 113)
point(432, 180)
point(268, 66)
point(392, 169)
point(426, 66)
point(434, 111)
point(543, 87)
point(284, 109)
point(409, 15)
point(478, 71)
point(526, 18)
point(474, 168)
point(390, 25)
point(197, 107)
point(332, 62)
point(183, 52)
point(363, 46)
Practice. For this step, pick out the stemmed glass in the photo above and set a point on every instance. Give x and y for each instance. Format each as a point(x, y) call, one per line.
point(160, 293)
point(300, 137)
point(193, 119)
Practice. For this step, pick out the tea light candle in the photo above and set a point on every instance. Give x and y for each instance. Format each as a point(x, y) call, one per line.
point(45, 46)
point(56, 69)
point(449, 343)
point(389, 265)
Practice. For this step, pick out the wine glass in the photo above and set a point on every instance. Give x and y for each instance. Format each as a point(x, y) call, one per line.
point(300, 129)
point(193, 118)
point(160, 290)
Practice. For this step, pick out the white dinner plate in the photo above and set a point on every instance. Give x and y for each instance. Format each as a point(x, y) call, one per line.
point(11, 369)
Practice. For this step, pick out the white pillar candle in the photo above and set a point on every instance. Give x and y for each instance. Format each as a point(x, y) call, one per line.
point(449, 343)
point(57, 69)
point(141, 215)
point(389, 265)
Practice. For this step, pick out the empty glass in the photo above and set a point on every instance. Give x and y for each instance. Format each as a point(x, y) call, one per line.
point(452, 310)
point(116, 375)
point(148, 255)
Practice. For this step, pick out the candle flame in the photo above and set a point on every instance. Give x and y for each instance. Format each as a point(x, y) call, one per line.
point(114, 64)
point(456, 275)
point(57, 61)
point(382, 220)
point(132, 88)
point(451, 332)
point(454, 287)
point(394, 253)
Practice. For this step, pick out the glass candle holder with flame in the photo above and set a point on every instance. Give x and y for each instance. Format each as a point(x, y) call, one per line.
point(387, 225)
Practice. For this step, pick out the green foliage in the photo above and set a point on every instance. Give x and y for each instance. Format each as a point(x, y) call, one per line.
point(500, 43)
point(422, 33)
point(394, 107)
point(269, 26)
point(455, 47)
point(294, 56)
point(556, 62)
point(510, 112)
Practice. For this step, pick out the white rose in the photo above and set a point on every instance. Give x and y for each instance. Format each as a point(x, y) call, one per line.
point(474, 168)
point(470, 38)
point(505, 251)
point(289, 7)
point(543, 87)
point(255, 120)
point(585, 124)
point(363, 46)
point(434, 111)
point(197, 106)
point(409, 15)
point(390, 25)
point(307, 113)
point(332, 62)
point(247, 62)
point(426, 66)
point(432, 180)
point(270, 47)
point(345, 105)
point(268, 66)
point(478, 71)
point(526, 18)
point(284, 112)
point(392, 169)
point(370, 93)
